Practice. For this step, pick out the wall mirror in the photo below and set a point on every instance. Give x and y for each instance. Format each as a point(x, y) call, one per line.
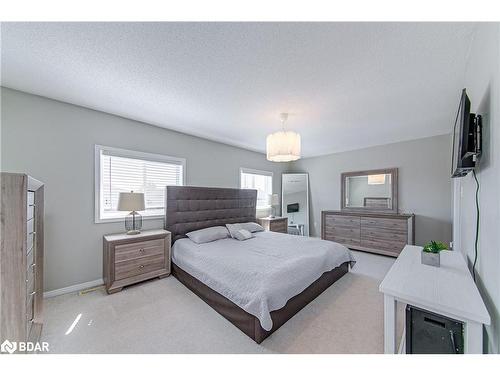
point(375, 190)
point(295, 202)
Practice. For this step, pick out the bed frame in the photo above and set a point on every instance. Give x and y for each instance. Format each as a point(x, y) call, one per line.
point(190, 208)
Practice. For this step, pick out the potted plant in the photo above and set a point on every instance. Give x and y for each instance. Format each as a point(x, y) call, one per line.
point(430, 253)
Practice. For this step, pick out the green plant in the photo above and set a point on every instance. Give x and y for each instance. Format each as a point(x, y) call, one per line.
point(434, 247)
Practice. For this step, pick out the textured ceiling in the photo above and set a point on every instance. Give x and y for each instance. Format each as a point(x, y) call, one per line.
point(346, 85)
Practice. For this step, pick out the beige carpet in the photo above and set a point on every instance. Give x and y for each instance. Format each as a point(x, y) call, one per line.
point(162, 316)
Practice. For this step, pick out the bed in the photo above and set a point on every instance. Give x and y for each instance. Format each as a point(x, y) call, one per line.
point(250, 282)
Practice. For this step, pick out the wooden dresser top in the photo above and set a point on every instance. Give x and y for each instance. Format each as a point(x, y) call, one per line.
point(368, 214)
point(143, 235)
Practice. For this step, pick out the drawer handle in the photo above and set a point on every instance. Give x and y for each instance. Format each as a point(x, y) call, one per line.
point(33, 265)
point(32, 293)
point(141, 266)
point(31, 320)
point(141, 250)
point(34, 232)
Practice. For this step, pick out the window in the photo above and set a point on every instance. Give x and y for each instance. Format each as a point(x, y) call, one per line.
point(118, 170)
point(262, 181)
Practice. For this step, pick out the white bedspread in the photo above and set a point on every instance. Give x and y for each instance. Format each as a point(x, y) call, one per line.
point(260, 274)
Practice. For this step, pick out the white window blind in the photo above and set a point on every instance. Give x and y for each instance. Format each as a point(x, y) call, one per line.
point(262, 181)
point(125, 171)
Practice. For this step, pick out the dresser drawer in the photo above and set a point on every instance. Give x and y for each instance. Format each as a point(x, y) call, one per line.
point(347, 241)
point(384, 223)
point(30, 240)
point(341, 221)
point(30, 197)
point(369, 233)
point(139, 266)
point(30, 281)
point(29, 314)
point(139, 249)
point(345, 232)
point(279, 226)
point(30, 259)
point(391, 246)
point(30, 212)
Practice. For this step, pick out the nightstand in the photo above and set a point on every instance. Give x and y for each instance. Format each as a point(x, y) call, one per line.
point(274, 224)
point(129, 259)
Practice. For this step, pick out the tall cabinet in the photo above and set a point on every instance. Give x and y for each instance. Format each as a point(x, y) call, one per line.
point(21, 257)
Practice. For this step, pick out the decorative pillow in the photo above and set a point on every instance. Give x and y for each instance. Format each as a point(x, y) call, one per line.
point(208, 234)
point(252, 227)
point(242, 235)
point(233, 228)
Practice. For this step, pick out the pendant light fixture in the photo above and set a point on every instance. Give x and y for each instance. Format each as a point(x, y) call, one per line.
point(284, 145)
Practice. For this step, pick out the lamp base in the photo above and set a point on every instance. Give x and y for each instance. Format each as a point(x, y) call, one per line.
point(132, 232)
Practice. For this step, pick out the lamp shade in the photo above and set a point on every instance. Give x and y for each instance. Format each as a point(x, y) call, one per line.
point(131, 202)
point(273, 199)
point(283, 146)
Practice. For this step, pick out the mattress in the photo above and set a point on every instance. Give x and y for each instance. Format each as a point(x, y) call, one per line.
point(260, 274)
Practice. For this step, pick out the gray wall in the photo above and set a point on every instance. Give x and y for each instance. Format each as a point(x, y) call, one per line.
point(424, 182)
point(54, 142)
point(482, 80)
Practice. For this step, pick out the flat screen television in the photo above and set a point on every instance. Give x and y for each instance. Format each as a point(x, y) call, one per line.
point(466, 139)
point(290, 208)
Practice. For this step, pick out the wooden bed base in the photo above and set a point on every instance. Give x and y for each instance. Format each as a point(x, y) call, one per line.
point(248, 323)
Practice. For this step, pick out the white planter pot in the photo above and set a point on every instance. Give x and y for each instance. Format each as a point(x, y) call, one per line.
point(431, 259)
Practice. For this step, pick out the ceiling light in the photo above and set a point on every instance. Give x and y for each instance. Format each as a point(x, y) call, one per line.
point(284, 145)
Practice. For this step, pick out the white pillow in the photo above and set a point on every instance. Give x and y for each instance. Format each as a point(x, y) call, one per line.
point(242, 235)
point(252, 227)
point(208, 234)
point(233, 228)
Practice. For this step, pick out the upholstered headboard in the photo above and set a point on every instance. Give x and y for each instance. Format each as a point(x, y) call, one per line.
point(191, 208)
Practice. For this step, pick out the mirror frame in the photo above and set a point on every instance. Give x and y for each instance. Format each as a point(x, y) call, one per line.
point(394, 190)
point(308, 214)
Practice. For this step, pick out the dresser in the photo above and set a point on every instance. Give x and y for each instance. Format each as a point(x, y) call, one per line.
point(129, 259)
point(274, 224)
point(21, 266)
point(385, 234)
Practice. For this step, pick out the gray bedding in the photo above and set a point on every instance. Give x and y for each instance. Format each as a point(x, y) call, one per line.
point(260, 274)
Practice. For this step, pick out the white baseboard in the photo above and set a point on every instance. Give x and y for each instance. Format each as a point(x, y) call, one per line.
point(73, 288)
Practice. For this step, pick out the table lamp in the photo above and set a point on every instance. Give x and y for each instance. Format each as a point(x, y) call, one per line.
point(273, 201)
point(132, 202)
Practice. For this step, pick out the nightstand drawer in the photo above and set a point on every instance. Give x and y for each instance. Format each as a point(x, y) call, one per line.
point(280, 226)
point(139, 266)
point(139, 249)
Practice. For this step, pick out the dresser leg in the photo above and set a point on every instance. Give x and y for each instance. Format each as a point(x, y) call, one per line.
point(115, 290)
point(163, 276)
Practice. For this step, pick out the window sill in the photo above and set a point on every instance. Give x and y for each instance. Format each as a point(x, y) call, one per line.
point(122, 219)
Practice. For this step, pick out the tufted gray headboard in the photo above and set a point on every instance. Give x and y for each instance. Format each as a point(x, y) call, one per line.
point(190, 208)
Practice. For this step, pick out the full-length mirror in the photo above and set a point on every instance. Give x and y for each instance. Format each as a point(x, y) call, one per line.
point(375, 190)
point(295, 202)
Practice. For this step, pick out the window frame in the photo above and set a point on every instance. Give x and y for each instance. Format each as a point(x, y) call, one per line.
point(262, 173)
point(126, 153)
